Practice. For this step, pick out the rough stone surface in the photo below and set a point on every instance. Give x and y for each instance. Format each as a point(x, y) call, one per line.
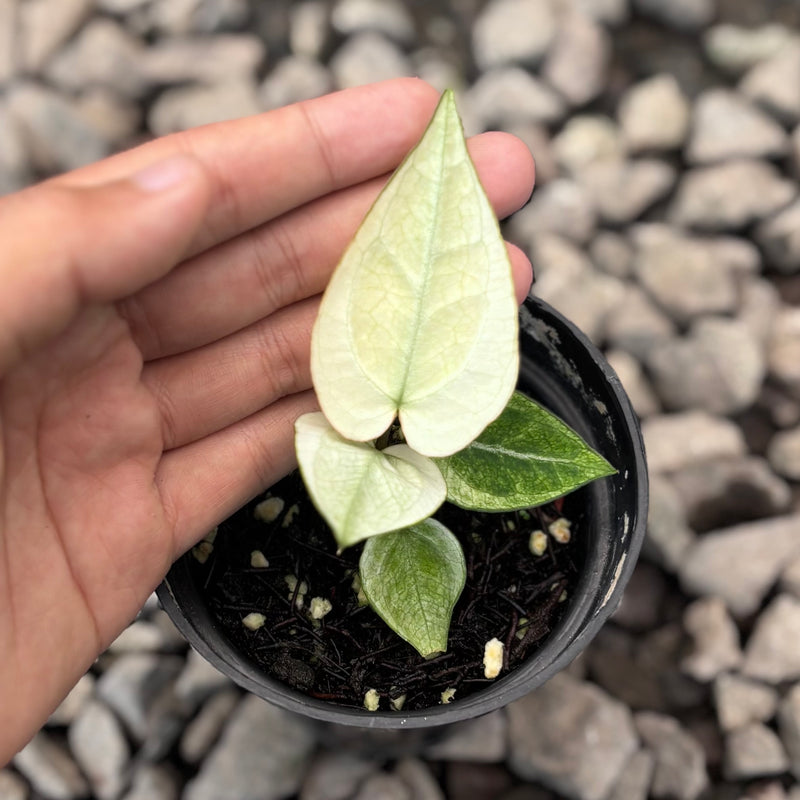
point(623, 191)
point(418, 778)
point(389, 17)
point(637, 324)
point(368, 57)
point(736, 48)
point(480, 740)
point(790, 578)
point(668, 535)
point(12, 787)
point(154, 782)
point(50, 769)
point(772, 653)
point(789, 727)
point(99, 745)
point(292, 80)
point(654, 115)
point(783, 355)
point(715, 640)
point(335, 776)
point(686, 15)
point(784, 453)
point(685, 275)
point(384, 786)
point(740, 701)
point(577, 61)
point(508, 95)
point(70, 706)
point(44, 27)
point(612, 253)
point(725, 125)
point(634, 783)
point(677, 440)
point(262, 755)
point(741, 563)
point(731, 195)
point(779, 236)
point(680, 768)
point(718, 366)
point(753, 751)
point(201, 733)
point(636, 384)
point(509, 31)
point(722, 492)
point(571, 737)
point(773, 83)
point(587, 139)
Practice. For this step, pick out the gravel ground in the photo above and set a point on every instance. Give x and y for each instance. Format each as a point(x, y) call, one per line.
point(666, 224)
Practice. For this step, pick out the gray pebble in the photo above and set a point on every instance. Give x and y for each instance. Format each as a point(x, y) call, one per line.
point(718, 366)
point(132, 685)
point(44, 26)
point(578, 59)
point(634, 783)
point(612, 253)
point(684, 274)
point(509, 95)
point(367, 57)
point(735, 48)
point(740, 701)
point(759, 304)
point(789, 727)
point(637, 324)
point(294, 79)
point(784, 453)
point(742, 563)
point(790, 578)
point(201, 732)
point(561, 207)
point(636, 385)
point(513, 31)
point(726, 125)
point(722, 492)
point(773, 83)
point(71, 705)
point(779, 236)
point(8, 38)
point(154, 782)
point(654, 115)
point(731, 195)
point(389, 17)
point(715, 640)
point(753, 751)
point(784, 349)
point(336, 776)
point(262, 755)
point(588, 139)
point(182, 108)
point(416, 775)
point(623, 190)
point(772, 653)
point(609, 12)
point(571, 737)
point(680, 768)
point(99, 745)
point(482, 740)
point(12, 787)
point(685, 15)
point(309, 27)
point(142, 636)
point(385, 787)
point(199, 680)
point(668, 535)
point(50, 769)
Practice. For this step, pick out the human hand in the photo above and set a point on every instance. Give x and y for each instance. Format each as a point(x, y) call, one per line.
point(154, 338)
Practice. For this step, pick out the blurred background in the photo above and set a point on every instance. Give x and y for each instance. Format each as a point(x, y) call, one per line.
point(666, 224)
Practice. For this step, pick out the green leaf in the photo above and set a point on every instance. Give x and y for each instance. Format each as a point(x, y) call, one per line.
point(420, 319)
point(413, 578)
point(526, 457)
point(361, 491)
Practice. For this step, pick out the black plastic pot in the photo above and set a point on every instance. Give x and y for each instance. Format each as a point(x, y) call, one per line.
point(562, 370)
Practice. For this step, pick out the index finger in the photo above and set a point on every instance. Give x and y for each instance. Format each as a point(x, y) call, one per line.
point(265, 165)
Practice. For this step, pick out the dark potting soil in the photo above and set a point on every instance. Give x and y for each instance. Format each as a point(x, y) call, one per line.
point(509, 594)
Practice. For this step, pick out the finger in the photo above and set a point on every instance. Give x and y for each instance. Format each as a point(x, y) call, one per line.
point(292, 257)
point(64, 247)
point(265, 165)
point(521, 270)
point(212, 387)
point(206, 481)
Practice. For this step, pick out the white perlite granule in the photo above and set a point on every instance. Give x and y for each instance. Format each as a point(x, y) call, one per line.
point(319, 607)
point(537, 544)
point(492, 658)
point(559, 530)
point(372, 700)
point(269, 510)
point(254, 621)
point(258, 560)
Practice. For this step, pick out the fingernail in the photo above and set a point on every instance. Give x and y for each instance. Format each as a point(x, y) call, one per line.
point(164, 174)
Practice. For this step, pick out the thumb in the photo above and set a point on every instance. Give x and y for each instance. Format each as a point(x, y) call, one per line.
point(65, 247)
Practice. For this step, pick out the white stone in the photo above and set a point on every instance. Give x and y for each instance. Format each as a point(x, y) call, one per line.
point(308, 27)
point(784, 349)
point(12, 787)
point(772, 653)
point(735, 49)
point(753, 751)
point(654, 115)
point(366, 58)
point(741, 564)
point(740, 701)
point(188, 107)
point(686, 15)
point(637, 323)
point(70, 706)
point(789, 727)
point(44, 27)
point(508, 31)
point(50, 769)
point(389, 17)
point(294, 79)
point(774, 85)
point(715, 638)
point(784, 453)
point(203, 730)
point(636, 385)
point(577, 62)
point(677, 440)
point(479, 740)
point(587, 139)
point(9, 57)
point(779, 236)
point(726, 125)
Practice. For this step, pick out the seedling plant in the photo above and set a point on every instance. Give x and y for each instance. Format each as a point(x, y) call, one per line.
point(414, 359)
